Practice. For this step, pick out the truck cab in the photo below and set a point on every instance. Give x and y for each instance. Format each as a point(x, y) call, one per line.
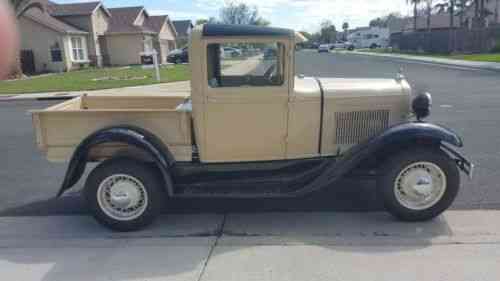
point(250, 127)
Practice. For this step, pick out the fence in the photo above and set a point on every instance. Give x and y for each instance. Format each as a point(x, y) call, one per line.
point(447, 40)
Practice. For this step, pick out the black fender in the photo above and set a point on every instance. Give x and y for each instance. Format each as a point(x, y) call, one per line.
point(131, 135)
point(407, 133)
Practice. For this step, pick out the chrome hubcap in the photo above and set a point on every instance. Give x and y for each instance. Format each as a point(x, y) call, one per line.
point(122, 197)
point(420, 185)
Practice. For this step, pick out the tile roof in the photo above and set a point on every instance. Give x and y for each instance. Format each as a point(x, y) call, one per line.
point(51, 22)
point(182, 27)
point(122, 21)
point(156, 22)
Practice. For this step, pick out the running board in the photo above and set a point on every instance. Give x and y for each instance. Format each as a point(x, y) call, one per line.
point(270, 186)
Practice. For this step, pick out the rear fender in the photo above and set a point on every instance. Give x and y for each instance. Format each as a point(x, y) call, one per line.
point(131, 135)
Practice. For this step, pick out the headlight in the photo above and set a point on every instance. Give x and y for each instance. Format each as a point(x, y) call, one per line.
point(421, 105)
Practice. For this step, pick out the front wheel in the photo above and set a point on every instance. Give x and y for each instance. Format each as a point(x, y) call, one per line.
point(419, 184)
point(124, 194)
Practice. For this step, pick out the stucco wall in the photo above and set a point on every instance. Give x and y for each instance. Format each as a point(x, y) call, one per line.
point(165, 42)
point(100, 22)
point(166, 32)
point(38, 38)
point(125, 49)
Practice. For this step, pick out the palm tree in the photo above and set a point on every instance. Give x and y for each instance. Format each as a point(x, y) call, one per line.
point(20, 8)
point(428, 13)
point(461, 7)
point(415, 4)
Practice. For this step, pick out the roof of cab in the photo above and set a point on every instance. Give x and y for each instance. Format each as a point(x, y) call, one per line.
point(210, 30)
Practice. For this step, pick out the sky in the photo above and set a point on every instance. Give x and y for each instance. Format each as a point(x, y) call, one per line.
point(296, 14)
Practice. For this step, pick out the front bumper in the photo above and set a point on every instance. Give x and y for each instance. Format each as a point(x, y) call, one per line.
point(465, 165)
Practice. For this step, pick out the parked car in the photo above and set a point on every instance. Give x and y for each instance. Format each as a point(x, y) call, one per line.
point(229, 52)
point(178, 56)
point(324, 48)
point(209, 144)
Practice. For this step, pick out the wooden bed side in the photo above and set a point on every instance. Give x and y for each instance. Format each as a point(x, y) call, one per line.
point(60, 128)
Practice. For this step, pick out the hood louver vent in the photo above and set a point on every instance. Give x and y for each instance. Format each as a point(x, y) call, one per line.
point(357, 126)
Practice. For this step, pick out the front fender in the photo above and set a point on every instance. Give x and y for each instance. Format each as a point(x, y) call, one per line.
point(417, 130)
point(131, 135)
point(407, 133)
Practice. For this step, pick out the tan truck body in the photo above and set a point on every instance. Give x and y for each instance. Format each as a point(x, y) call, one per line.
point(235, 124)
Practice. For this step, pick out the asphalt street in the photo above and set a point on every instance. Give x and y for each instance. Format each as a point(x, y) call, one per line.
point(465, 100)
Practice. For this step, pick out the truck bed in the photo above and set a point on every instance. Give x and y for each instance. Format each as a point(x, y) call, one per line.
point(60, 128)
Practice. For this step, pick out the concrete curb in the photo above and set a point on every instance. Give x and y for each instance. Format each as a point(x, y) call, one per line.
point(491, 66)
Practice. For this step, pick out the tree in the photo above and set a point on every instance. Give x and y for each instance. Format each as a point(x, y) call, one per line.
point(201, 21)
point(345, 27)
point(415, 4)
point(461, 7)
point(328, 32)
point(388, 20)
point(234, 13)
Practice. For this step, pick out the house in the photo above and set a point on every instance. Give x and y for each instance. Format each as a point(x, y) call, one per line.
point(91, 17)
point(50, 44)
point(166, 39)
point(133, 31)
point(183, 28)
point(64, 37)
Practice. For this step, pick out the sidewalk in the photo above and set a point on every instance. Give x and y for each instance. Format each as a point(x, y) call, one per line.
point(461, 245)
point(177, 88)
point(493, 66)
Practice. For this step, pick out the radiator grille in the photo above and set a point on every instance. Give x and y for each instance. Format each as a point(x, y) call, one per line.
point(354, 127)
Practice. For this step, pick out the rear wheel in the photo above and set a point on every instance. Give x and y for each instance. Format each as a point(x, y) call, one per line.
point(419, 184)
point(124, 194)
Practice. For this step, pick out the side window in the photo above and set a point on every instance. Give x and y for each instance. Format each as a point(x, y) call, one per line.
point(245, 64)
point(56, 53)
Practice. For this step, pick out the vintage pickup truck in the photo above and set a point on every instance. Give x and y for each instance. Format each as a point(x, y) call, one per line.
point(251, 128)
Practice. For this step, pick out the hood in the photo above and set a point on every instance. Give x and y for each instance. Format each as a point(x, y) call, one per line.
point(346, 88)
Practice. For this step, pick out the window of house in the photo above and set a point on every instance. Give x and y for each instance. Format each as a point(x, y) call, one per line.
point(245, 64)
point(77, 48)
point(56, 53)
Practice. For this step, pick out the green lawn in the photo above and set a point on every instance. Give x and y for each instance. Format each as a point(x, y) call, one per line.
point(495, 57)
point(94, 79)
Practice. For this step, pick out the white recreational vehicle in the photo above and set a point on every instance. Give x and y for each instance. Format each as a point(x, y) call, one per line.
point(369, 37)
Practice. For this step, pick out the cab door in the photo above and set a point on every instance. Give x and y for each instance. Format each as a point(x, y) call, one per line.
point(246, 103)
